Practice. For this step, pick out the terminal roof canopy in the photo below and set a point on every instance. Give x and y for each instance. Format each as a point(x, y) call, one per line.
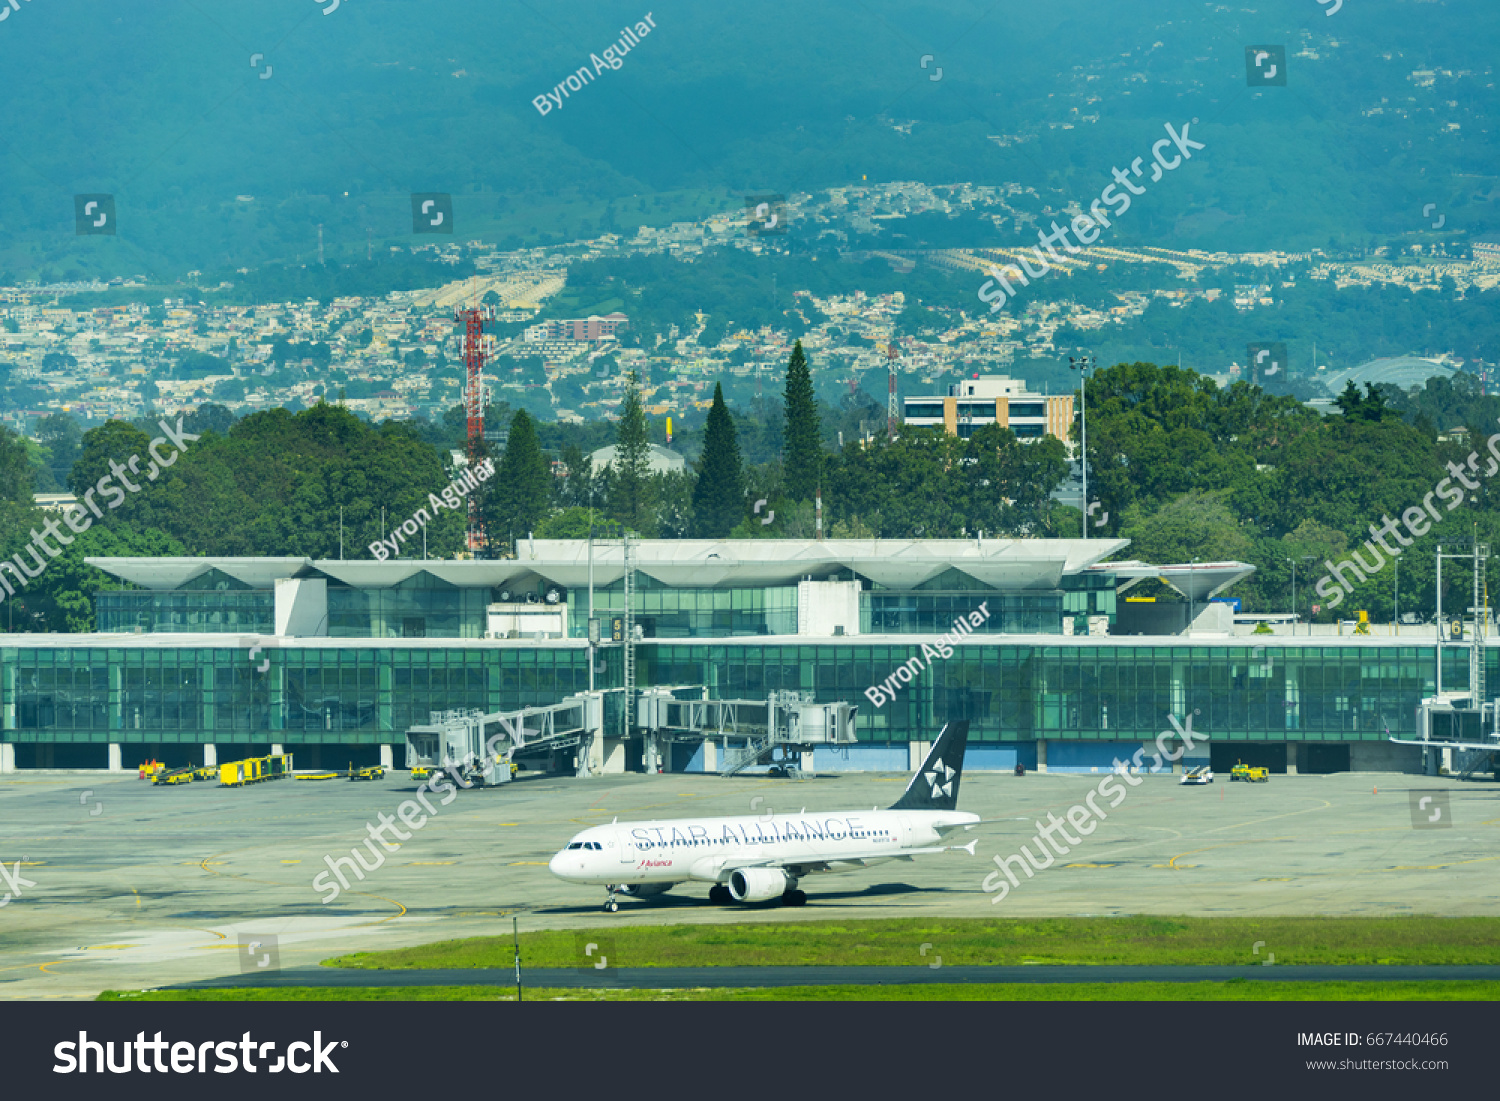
point(708, 563)
point(686, 563)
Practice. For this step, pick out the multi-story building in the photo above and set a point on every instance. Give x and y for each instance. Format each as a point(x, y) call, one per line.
point(994, 399)
point(336, 660)
point(592, 329)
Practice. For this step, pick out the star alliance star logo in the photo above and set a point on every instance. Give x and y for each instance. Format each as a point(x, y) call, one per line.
point(941, 779)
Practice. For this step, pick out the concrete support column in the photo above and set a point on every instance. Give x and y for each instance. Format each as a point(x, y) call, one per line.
point(1447, 765)
point(807, 761)
point(387, 756)
point(710, 755)
point(7, 757)
point(210, 755)
point(1291, 758)
point(114, 757)
point(1041, 754)
point(614, 756)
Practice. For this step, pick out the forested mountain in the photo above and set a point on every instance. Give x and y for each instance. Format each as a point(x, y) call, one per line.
point(235, 131)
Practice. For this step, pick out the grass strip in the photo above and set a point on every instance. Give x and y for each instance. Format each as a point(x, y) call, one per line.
point(1234, 990)
point(1137, 940)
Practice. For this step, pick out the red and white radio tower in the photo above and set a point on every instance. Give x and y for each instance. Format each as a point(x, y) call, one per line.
point(473, 321)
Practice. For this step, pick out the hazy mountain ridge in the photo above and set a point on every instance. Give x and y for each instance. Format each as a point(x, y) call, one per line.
point(161, 106)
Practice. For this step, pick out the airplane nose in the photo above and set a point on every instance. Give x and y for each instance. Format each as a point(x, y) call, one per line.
point(555, 865)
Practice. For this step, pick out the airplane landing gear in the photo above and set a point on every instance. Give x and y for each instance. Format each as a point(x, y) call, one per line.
point(610, 905)
point(794, 897)
point(719, 895)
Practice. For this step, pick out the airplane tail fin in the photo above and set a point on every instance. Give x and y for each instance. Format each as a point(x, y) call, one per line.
point(935, 785)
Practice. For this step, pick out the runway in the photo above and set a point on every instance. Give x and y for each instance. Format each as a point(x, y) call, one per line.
point(129, 886)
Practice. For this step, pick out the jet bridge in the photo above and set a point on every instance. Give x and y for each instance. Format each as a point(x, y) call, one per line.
point(781, 730)
point(1451, 722)
point(477, 746)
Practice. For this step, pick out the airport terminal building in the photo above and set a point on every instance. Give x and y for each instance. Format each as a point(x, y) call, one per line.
point(204, 658)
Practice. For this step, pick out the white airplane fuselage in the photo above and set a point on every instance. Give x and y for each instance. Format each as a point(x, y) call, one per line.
point(710, 849)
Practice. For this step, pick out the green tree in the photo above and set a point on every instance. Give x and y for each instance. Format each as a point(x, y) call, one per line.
point(804, 452)
point(521, 495)
point(719, 495)
point(630, 496)
point(1194, 525)
point(16, 477)
point(62, 436)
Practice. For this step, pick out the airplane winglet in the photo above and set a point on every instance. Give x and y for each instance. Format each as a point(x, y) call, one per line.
point(969, 848)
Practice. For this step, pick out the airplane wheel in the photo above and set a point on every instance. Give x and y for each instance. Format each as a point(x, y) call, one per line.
point(794, 898)
point(719, 895)
point(611, 907)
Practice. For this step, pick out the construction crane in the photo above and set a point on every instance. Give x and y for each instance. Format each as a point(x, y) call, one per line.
point(473, 320)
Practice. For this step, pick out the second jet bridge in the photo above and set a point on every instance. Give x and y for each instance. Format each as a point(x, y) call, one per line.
point(781, 730)
point(477, 746)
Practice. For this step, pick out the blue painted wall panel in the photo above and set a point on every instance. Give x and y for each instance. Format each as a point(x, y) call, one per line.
point(1090, 756)
point(862, 758)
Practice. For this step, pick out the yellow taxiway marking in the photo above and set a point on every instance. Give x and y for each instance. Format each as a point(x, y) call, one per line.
point(291, 862)
point(1257, 841)
point(43, 966)
point(108, 947)
point(528, 864)
point(1434, 867)
point(1091, 865)
point(510, 823)
point(382, 921)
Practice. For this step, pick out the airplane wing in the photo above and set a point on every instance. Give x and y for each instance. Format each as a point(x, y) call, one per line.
point(944, 831)
point(714, 869)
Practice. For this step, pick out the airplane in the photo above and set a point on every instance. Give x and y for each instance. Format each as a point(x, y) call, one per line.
point(757, 858)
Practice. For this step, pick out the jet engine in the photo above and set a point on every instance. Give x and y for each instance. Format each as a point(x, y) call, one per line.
point(759, 884)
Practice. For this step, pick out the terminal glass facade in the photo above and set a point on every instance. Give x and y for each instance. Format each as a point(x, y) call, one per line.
point(1080, 690)
point(213, 603)
point(664, 612)
point(421, 607)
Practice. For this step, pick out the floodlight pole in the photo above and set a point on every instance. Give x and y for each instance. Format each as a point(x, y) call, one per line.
point(1084, 364)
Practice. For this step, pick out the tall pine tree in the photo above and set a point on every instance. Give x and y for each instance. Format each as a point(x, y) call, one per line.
point(719, 496)
point(803, 452)
point(630, 486)
point(521, 497)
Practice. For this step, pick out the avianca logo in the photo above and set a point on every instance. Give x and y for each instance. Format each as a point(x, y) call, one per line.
point(941, 779)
